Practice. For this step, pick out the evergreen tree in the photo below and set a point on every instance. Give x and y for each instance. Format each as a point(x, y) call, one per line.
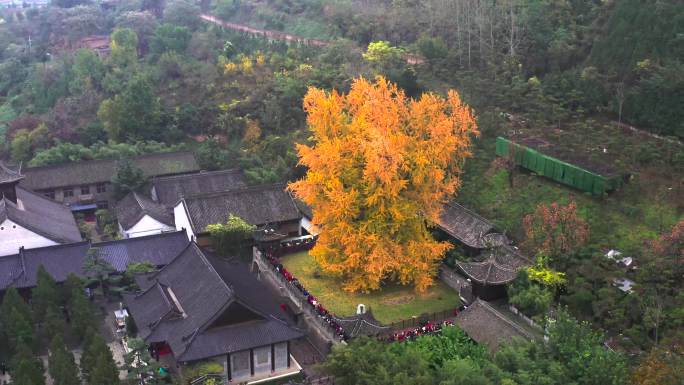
point(128, 178)
point(61, 364)
point(82, 313)
point(99, 267)
point(25, 368)
point(19, 330)
point(72, 282)
point(88, 356)
point(139, 363)
point(15, 322)
point(97, 364)
point(54, 322)
point(105, 371)
point(44, 295)
point(133, 114)
point(12, 300)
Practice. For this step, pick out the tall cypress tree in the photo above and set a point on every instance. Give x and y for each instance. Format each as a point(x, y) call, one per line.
point(105, 371)
point(97, 363)
point(26, 369)
point(62, 366)
point(15, 320)
point(72, 282)
point(44, 295)
point(81, 314)
point(54, 322)
point(20, 330)
point(12, 300)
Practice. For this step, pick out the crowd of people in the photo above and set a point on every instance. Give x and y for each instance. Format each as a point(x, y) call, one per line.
point(271, 255)
point(427, 328)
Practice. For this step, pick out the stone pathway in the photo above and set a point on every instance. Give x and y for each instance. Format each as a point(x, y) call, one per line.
point(108, 332)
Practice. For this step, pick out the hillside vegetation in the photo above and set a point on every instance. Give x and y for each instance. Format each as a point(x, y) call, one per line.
point(604, 79)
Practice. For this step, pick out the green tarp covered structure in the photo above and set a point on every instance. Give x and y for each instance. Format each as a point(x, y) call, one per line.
point(557, 169)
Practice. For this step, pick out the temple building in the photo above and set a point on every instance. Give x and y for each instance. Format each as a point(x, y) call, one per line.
point(139, 216)
point(19, 269)
point(168, 190)
point(29, 220)
point(200, 308)
point(268, 206)
point(86, 185)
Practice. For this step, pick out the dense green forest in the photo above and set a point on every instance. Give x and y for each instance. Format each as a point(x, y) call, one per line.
point(604, 78)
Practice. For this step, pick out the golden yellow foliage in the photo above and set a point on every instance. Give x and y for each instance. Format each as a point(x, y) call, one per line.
point(246, 65)
point(252, 132)
point(230, 68)
point(380, 166)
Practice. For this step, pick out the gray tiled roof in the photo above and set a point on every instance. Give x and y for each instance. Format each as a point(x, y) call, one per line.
point(7, 175)
point(485, 325)
point(464, 225)
point(170, 189)
point(158, 249)
point(204, 288)
point(257, 205)
point(500, 266)
point(102, 171)
point(134, 206)
point(305, 209)
point(19, 270)
point(42, 216)
point(59, 261)
point(10, 270)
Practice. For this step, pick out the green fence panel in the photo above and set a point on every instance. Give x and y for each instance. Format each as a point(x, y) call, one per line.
point(569, 175)
point(528, 159)
point(600, 186)
point(549, 167)
point(541, 164)
point(587, 181)
point(502, 147)
point(556, 169)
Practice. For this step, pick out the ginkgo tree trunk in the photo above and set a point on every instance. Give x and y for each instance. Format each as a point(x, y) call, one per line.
point(380, 165)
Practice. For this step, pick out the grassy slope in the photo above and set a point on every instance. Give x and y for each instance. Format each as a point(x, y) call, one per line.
point(651, 203)
point(392, 303)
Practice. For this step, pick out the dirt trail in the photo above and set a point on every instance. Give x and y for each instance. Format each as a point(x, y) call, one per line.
point(274, 35)
point(411, 59)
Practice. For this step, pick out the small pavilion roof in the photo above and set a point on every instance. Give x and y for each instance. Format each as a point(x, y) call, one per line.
point(500, 266)
point(464, 225)
point(361, 325)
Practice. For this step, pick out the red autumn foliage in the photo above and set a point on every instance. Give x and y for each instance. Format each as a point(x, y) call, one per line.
point(672, 243)
point(555, 229)
point(24, 122)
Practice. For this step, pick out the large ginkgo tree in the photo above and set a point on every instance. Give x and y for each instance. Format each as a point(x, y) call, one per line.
point(380, 165)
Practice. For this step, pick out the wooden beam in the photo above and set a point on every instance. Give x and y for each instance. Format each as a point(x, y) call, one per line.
point(251, 361)
point(273, 357)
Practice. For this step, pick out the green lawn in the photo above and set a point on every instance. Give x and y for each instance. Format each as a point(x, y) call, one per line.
point(392, 303)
